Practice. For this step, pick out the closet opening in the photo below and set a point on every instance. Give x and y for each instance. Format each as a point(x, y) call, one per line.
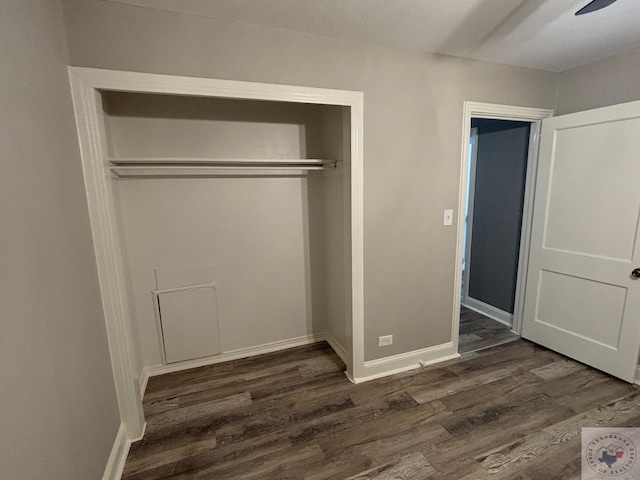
point(235, 215)
point(226, 218)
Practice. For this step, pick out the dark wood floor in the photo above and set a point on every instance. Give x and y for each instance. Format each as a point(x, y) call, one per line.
point(478, 331)
point(510, 412)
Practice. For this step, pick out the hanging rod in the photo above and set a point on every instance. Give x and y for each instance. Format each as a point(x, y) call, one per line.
point(132, 167)
point(171, 171)
point(201, 161)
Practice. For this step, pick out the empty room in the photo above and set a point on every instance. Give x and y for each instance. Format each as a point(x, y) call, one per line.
point(320, 239)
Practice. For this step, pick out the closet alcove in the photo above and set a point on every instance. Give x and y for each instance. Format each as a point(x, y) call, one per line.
point(234, 218)
point(231, 211)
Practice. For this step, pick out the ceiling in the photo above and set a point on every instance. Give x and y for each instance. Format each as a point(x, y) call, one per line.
point(543, 34)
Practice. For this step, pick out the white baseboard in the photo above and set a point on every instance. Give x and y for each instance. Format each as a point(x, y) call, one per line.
point(118, 456)
point(490, 311)
point(406, 361)
point(231, 355)
point(637, 379)
point(373, 368)
point(142, 382)
point(336, 346)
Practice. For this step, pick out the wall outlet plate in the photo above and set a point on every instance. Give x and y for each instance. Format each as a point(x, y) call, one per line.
point(385, 340)
point(447, 218)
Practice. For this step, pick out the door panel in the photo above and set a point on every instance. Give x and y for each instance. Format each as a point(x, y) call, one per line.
point(604, 205)
point(581, 299)
point(565, 302)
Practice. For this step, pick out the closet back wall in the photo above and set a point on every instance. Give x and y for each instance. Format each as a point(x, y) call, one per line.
point(251, 231)
point(266, 239)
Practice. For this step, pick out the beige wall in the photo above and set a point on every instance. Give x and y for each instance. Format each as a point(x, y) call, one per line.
point(333, 232)
point(58, 413)
point(606, 82)
point(413, 115)
point(252, 231)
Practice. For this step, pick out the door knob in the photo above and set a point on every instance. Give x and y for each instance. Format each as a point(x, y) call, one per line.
point(636, 273)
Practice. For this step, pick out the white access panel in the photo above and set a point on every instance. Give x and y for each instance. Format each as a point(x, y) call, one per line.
point(582, 299)
point(188, 319)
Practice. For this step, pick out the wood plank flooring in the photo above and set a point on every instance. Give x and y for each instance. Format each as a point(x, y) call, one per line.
point(478, 331)
point(510, 412)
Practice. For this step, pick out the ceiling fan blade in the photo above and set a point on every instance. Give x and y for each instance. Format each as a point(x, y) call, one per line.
point(594, 5)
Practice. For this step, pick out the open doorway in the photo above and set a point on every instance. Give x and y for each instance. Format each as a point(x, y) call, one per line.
point(533, 117)
point(495, 196)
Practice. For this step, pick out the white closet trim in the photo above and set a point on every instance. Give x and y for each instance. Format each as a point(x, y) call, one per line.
point(86, 87)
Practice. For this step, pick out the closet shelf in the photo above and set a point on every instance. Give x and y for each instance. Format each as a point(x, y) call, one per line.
point(217, 167)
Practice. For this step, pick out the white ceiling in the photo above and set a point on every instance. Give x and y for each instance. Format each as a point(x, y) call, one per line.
point(542, 34)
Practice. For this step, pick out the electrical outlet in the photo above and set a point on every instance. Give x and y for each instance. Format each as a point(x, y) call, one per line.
point(385, 340)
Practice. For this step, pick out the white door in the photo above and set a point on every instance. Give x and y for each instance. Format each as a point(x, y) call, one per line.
point(582, 299)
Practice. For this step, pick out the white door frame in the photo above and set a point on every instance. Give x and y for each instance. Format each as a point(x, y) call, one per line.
point(497, 112)
point(86, 85)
